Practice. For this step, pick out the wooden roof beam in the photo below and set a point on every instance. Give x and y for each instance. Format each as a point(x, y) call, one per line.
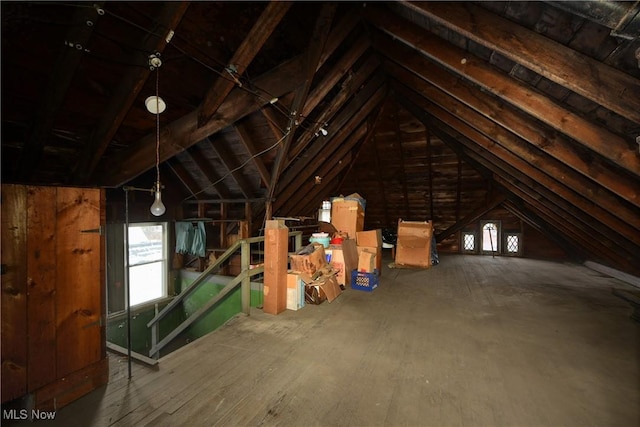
point(502, 121)
point(347, 155)
point(251, 148)
point(63, 72)
point(557, 192)
point(248, 49)
point(349, 87)
point(476, 70)
point(183, 176)
point(318, 149)
point(198, 156)
point(364, 76)
point(184, 132)
point(325, 154)
point(602, 84)
point(232, 164)
point(127, 91)
point(316, 47)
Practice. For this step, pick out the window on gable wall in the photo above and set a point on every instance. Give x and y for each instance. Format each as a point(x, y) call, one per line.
point(468, 242)
point(513, 243)
point(490, 237)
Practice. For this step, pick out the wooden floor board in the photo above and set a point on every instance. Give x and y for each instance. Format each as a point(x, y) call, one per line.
point(472, 341)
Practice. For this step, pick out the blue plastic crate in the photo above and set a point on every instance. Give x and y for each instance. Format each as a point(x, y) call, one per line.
point(364, 281)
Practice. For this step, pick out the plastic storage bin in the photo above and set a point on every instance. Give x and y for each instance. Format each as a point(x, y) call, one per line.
point(364, 281)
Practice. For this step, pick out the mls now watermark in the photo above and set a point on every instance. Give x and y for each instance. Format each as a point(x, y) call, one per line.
point(25, 414)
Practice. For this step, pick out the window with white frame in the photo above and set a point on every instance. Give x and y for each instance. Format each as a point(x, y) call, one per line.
point(490, 237)
point(148, 268)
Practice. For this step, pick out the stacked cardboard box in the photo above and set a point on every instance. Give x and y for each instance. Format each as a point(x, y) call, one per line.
point(347, 214)
point(369, 250)
point(343, 258)
point(319, 278)
point(414, 243)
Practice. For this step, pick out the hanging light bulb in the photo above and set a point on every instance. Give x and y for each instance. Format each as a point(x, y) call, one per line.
point(156, 105)
point(157, 208)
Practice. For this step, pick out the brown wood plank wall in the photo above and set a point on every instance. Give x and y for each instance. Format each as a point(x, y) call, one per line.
point(14, 292)
point(52, 293)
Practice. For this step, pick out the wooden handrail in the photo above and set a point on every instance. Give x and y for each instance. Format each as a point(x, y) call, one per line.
point(192, 287)
point(242, 278)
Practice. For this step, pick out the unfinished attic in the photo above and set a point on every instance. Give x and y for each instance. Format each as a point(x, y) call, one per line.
point(314, 213)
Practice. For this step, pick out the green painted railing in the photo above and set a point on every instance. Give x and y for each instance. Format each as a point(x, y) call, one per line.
point(243, 279)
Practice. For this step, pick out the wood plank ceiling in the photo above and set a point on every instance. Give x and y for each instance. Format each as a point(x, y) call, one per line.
point(440, 110)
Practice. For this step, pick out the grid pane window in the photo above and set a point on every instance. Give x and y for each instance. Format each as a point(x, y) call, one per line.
point(513, 244)
point(469, 243)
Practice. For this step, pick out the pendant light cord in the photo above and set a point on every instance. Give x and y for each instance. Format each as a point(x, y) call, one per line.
point(158, 129)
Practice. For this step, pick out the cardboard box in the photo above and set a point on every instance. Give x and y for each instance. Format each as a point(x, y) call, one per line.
point(295, 291)
point(350, 253)
point(369, 238)
point(324, 287)
point(347, 214)
point(334, 253)
point(309, 263)
point(414, 243)
point(344, 258)
point(372, 240)
point(276, 248)
point(367, 260)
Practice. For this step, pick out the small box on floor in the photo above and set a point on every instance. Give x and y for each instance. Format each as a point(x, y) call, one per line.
point(364, 281)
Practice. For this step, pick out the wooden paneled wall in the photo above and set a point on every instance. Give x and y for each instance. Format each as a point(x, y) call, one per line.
point(53, 334)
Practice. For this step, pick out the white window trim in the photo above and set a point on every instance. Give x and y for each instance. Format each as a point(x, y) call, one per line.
point(165, 260)
point(498, 242)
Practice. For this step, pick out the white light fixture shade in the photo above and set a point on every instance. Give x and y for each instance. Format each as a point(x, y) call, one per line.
point(153, 106)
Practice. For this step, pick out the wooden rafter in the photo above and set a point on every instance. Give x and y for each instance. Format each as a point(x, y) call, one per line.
point(519, 210)
point(346, 95)
point(128, 89)
point(321, 153)
point(510, 122)
point(347, 91)
point(197, 155)
point(543, 182)
point(183, 176)
point(317, 150)
point(318, 40)
point(183, 132)
point(397, 145)
point(560, 212)
point(59, 82)
point(232, 164)
point(249, 48)
point(598, 139)
point(249, 145)
point(586, 76)
point(493, 202)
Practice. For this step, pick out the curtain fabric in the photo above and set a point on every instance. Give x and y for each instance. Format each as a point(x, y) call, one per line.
point(190, 239)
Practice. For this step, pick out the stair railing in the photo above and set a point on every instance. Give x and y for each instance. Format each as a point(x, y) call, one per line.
point(243, 279)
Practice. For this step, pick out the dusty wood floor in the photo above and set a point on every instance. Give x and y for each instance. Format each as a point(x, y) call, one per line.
point(473, 341)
